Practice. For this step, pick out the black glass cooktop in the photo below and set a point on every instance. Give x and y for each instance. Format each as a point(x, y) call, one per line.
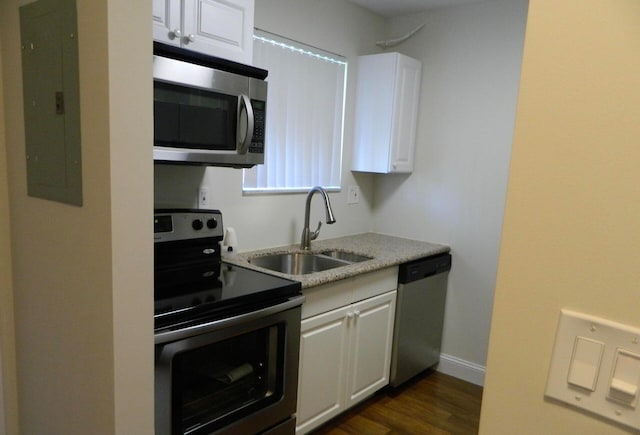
point(192, 294)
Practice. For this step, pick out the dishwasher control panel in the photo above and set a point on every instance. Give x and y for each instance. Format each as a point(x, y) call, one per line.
point(424, 267)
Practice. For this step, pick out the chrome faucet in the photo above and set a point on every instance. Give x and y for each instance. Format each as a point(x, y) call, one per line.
point(307, 235)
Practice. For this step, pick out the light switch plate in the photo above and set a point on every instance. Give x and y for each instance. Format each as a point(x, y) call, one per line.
point(616, 337)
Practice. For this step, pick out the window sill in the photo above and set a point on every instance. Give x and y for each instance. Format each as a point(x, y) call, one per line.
point(285, 190)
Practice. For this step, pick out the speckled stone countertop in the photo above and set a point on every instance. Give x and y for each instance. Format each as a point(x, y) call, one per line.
point(386, 251)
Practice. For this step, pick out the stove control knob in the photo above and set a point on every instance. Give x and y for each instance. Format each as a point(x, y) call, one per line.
point(197, 224)
point(212, 223)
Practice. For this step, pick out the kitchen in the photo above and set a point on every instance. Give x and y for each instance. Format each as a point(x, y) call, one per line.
point(449, 173)
point(110, 229)
point(487, 160)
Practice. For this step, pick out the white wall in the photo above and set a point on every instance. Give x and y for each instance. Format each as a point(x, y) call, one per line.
point(571, 235)
point(5, 246)
point(263, 221)
point(471, 58)
point(130, 130)
point(82, 276)
point(8, 385)
point(6, 294)
point(3, 426)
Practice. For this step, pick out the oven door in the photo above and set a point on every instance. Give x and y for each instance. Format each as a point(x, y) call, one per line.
point(236, 375)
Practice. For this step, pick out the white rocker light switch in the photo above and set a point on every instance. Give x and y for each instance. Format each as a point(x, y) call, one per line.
point(625, 378)
point(585, 363)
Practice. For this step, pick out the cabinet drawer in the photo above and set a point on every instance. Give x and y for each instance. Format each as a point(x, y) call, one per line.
point(375, 283)
point(337, 294)
point(326, 297)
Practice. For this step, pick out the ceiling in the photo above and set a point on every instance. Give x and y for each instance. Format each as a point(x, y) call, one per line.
point(395, 8)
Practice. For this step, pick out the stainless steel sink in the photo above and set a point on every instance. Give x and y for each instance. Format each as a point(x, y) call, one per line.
point(350, 257)
point(299, 263)
point(302, 263)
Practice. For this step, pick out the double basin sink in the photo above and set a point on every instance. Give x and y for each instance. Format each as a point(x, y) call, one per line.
point(302, 263)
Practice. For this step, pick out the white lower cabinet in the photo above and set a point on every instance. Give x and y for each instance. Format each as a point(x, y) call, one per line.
point(371, 339)
point(323, 368)
point(345, 356)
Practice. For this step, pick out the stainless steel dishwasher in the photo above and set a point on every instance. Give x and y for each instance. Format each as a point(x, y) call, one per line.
point(422, 290)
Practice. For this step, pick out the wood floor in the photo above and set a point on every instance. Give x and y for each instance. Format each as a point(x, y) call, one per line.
point(433, 403)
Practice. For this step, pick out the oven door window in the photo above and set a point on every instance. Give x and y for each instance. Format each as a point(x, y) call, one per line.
point(185, 117)
point(221, 382)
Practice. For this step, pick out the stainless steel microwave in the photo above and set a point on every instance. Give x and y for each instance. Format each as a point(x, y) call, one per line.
point(207, 111)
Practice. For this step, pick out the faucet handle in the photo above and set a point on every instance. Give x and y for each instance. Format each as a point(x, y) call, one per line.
point(314, 235)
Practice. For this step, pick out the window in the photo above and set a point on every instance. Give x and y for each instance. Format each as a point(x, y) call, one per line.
point(305, 106)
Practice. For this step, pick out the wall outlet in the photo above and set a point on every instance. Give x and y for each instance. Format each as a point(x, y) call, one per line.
point(353, 195)
point(203, 197)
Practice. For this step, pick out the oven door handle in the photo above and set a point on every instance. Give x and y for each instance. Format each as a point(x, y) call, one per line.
point(180, 334)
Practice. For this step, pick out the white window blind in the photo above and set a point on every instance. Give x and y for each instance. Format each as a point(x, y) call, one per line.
point(305, 105)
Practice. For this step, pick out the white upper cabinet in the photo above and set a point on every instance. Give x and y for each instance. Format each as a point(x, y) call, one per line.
point(167, 22)
point(222, 28)
point(387, 97)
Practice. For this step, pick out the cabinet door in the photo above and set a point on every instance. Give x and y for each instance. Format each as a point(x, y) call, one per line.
point(166, 21)
point(374, 111)
point(322, 371)
point(405, 114)
point(387, 97)
point(371, 338)
point(222, 28)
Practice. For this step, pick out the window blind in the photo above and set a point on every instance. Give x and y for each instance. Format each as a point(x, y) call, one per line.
point(305, 107)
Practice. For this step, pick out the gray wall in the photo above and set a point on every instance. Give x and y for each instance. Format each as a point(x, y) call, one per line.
point(471, 59)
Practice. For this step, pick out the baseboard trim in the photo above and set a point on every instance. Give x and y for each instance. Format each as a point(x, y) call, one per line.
point(461, 369)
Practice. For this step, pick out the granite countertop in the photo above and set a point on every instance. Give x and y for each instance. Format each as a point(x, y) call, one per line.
point(386, 251)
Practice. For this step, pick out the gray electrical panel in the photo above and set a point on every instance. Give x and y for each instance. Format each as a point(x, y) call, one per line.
point(49, 39)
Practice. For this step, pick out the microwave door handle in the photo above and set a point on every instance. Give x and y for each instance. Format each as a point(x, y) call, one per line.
point(245, 137)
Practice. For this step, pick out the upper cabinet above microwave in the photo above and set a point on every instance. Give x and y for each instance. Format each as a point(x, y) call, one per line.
point(221, 28)
point(387, 97)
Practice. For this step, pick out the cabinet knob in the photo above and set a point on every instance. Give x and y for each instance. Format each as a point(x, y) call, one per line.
point(357, 313)
point(349, 315)
point(190, 38)
point(176, 33)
